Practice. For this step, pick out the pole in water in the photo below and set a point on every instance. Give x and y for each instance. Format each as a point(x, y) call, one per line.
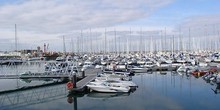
point(75, 103)
point(83, 74)
point(74, 79)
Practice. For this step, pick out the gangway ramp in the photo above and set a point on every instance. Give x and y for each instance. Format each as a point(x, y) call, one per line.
point(80, 85)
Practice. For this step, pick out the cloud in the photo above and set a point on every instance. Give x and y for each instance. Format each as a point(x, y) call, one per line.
point(198, 21)
point(201, 26)
point(58, 16)
point(40, 21)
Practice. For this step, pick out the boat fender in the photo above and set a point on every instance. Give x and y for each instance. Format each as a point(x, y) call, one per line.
point(69, 85)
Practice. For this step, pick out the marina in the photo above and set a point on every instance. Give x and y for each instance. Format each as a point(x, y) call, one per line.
point(155, 91)
point(157, 86)
point(109, 55)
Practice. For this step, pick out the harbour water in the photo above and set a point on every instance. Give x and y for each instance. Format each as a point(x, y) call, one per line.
point(156, 91)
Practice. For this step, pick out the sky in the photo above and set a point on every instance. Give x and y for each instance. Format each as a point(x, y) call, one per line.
point(47, 21)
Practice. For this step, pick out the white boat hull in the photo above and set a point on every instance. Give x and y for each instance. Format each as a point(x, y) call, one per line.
point(115, 82)
point(140, 70)
point(106, 88)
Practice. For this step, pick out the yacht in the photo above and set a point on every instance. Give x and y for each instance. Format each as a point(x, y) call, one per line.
point(115, 81)
point(107, 87)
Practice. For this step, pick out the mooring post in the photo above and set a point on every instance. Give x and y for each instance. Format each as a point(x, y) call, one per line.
point(74, 79)
point(83, 74)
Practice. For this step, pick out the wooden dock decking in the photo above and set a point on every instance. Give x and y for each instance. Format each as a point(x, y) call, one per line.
point(80, 85)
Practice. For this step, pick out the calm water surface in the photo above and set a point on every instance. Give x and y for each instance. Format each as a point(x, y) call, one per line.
point(156, 91)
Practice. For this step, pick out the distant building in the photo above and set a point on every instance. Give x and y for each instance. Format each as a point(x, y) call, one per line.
point(8, 55)
point(33, 53)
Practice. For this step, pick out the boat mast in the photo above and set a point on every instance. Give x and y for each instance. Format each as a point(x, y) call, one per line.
point(180, 38)
point(119, 47)
point(16, 40)
point(128, 43)
point(105, 42)
point(16, 44)
point(140, 46)
point(77, 44)
point(218, 44)
point(82, 41)
point(145, 47)
point(151, 44)
point(189, 41)
point(115, 43)
point(165, 40)
point(72, 45)
point(64, 46)
point(90, 34)
point(173, 47)
point(161, 40)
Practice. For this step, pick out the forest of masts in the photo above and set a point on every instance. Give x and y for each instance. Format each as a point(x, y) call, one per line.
point(206, 38)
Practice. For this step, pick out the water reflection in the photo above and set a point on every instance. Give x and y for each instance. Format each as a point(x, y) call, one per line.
point(72, 98)
point(106, 95)
point(155, 91)
point(22, 99)
point(217, 89)
point(26, 80)
point(29, 80)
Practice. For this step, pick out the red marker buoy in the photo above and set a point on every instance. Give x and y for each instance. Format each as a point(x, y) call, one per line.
point(69, 85)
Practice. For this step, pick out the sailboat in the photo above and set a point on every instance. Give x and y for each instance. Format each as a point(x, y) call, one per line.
point(13, 58)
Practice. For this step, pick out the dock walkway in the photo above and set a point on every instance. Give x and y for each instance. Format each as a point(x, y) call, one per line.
point(80, 85)
point(34, 76)
point(48, 75)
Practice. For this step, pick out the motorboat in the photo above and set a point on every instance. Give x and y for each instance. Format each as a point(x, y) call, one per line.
point(88, 65)
point(119, 75)
point(198, 73)
point(116, 82)
point(139, 69)
point(107, 87)
point(149, 64)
